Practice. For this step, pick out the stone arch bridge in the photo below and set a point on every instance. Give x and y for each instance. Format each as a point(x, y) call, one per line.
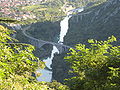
point(39, 43)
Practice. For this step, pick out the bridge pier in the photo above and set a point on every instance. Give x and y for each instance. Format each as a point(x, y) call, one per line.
point(40, 44)
point(62, 48)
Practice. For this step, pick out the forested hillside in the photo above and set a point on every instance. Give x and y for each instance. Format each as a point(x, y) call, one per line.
point(100, 22)
point(92, 64)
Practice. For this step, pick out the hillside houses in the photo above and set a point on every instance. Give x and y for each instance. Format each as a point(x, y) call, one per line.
point(10, 8)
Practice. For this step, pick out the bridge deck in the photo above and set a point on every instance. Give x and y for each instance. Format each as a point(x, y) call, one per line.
point(39, 43)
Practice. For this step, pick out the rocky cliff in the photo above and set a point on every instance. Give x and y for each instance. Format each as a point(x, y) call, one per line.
point(98, 22)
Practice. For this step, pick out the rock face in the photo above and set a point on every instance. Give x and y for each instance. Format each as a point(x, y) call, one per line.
point(47, 31)
point(98, 23)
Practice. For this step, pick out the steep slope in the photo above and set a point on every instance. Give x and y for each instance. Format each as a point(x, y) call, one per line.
point(99, 23)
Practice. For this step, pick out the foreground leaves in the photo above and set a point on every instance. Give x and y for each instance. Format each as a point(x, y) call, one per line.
point(96, 67)
point(17, 64)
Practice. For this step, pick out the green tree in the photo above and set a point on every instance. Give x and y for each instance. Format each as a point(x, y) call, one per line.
point(96, 67)
point(17, 63)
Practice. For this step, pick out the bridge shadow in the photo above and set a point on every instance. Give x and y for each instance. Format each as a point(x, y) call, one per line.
point(44, 51)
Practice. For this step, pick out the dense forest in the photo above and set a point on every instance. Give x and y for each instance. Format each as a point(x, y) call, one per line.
point(93, 63)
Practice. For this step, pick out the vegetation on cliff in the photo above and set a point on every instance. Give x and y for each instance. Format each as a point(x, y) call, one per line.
point(96, 67)
point(18, 64)
point(99, 23)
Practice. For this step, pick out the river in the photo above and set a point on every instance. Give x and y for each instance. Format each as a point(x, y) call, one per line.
point(46, 74)
point(64, 24)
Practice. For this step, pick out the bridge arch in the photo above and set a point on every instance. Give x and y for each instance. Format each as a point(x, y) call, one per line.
point(40, 43)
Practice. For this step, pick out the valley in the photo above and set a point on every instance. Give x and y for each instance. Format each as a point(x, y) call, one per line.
point(78, 40)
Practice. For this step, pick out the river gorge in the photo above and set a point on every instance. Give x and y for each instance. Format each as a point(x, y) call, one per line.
point(64, 24)
point(47, 75)
point(89, 24)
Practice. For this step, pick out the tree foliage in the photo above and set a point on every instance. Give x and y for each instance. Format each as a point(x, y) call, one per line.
point(17, 63)
point(96, 67)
